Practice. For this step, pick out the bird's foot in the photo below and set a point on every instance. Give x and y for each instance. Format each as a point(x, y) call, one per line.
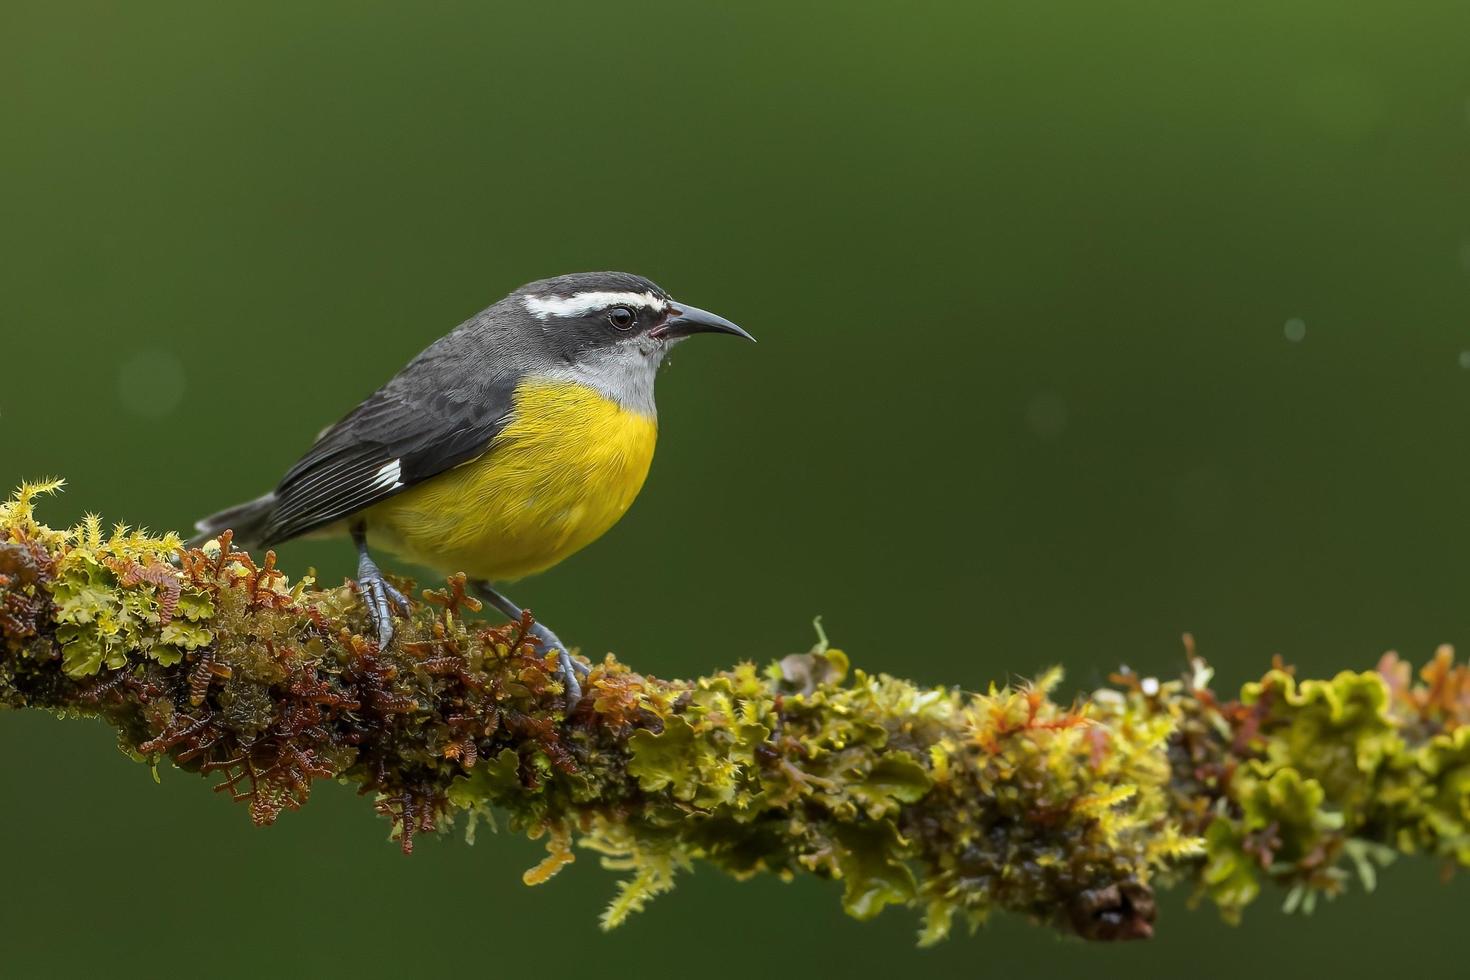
point(380, 596)
point(568, 669)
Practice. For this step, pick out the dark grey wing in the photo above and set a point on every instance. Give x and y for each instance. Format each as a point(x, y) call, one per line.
point(411, 429)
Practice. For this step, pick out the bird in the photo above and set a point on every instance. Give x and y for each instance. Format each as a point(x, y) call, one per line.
point(505, 446)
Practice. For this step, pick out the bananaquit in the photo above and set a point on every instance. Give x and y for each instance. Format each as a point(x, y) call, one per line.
point(515, 440)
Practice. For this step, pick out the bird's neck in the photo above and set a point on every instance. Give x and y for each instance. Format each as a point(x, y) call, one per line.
point(623, 379)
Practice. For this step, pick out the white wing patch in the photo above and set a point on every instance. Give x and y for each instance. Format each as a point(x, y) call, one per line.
point(583, 303)
point(387, 477)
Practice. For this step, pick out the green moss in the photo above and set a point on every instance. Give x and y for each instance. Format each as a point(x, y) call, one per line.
point(871, 861)
point(118, 598)
point(895, 778)
point(1329, 772)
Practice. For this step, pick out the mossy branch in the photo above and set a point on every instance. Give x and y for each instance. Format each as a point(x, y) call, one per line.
point(952, 802)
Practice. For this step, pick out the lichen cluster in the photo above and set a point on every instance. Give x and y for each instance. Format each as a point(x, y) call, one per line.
point(1330, 778)
point(956, 804)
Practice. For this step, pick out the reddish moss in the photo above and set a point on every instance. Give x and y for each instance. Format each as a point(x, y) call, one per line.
point(25, 604)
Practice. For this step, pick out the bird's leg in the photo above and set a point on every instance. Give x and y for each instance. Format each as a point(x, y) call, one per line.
point(377, 592)
point(547, 640)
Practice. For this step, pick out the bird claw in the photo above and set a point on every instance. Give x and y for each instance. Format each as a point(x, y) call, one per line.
point(398, 598)
point(380, 597)
point(567, 669)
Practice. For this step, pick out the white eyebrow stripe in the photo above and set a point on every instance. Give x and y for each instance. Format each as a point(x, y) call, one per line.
point(583, 303)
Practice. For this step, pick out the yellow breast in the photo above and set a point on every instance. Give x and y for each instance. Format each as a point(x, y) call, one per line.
point(566, 468)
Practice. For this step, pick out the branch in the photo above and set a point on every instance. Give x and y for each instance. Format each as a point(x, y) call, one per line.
point(954, 803)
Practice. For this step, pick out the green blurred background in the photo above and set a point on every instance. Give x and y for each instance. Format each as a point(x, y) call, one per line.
point(1082, 325)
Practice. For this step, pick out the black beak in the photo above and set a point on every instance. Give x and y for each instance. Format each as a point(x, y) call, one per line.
point(688, 320)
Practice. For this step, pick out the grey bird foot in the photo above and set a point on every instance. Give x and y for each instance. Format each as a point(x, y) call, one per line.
point(568, 670)
point(379, 595)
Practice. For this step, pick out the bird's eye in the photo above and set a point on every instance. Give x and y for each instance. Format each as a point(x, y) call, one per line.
point(621, 317)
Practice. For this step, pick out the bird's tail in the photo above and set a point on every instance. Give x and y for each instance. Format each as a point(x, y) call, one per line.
point(247, 520)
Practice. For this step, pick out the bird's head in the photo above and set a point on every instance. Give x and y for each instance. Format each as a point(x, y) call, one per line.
point(610, 330)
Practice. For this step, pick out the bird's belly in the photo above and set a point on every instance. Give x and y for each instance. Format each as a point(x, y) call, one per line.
point(564, 471)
